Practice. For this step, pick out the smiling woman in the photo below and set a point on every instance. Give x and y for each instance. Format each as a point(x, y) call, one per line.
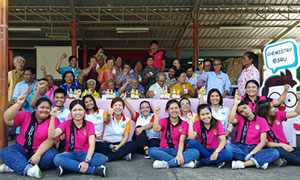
point(34, 149)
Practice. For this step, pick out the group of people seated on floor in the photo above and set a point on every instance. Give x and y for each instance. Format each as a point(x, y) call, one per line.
point(83, 137)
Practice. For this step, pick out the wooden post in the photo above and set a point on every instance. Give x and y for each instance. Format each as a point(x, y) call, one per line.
point(3, 71)
point(178, 51)
point(85, 56)
point(74, 38)
point(195, 44)
point(10, 60)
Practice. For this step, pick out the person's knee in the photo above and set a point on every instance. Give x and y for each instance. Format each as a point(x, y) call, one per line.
point(152, 151)
point(194, 152)
point(227, 154)
point(58, 159)
point(192, 142)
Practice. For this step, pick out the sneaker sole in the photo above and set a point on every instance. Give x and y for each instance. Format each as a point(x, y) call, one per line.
point(59, 171)
point(104, 171)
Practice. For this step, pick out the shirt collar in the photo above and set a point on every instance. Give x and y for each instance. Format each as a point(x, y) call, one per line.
point(83, 124)
point(88, 111)
point(123, 117)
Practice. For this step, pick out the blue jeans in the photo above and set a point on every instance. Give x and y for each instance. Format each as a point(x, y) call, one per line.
point(15, 157)
point(292, 158)
point(263, 156)
point(224, 155)
point(70, 161)
point(169, 155)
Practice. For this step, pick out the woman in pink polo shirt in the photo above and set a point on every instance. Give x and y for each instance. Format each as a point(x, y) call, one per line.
point(171, 152)
point(251, 97)
point(143, 135)
point(94, 115)
point(79, 153)
point(34, 149)
point(275, 136)
point(211, 138)
point(116, 133)
point(251, 138)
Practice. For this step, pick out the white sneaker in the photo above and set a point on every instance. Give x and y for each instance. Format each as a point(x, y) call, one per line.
point(34, 172)
point(191, 164)
point(264, 166)
point(127, 157)
point(237, 165)
point(160, 164)
point(5, 169)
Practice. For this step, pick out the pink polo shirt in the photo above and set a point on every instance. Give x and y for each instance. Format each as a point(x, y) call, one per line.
point(81, 135)
point(254, 129)
point(277, 128)
point(253, 105)
point(23, 119)
point(212, 136)
point(158, 58)
point(176, 132)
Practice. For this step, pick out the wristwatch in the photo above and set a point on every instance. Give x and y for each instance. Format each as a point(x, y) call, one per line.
point(87, 160)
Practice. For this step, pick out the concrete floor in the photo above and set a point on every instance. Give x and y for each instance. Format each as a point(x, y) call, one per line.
point(140, 168)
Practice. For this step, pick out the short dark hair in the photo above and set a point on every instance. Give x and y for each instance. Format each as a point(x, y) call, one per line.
point(137, 61)
point(31, 69)
point(149, 56)
point(42, 79)
point(65, 74)
point(110, 58)
point(75, 102)
point(115, 100)
point(93, 99)
point(188, 67)
point(184, 99)
point(178, 73)
point(43, 99)
point(71, 57)
point(252, 81)
point(241, 104)
point(127, 62)
point(153, 42)
point(173, 67)
point(59, 90)
point(99, 47)
point(89, 60)
point(212, 91)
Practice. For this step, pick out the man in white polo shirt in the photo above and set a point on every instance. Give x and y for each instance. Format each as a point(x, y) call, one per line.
point(160, 86)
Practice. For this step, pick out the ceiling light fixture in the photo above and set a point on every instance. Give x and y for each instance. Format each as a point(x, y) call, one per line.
point(132, 30)
point(235, 28)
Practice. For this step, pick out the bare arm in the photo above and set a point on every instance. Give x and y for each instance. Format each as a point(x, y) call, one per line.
point(52, 131)
point(129, 107)
point(57, 67)
point(80, 77)
point(261, 144)
point(225, 94)
point(12, 111)
point(192, 134)
point(47, 144)
point(156, 126)
point(221, 144)
point(43, 69)
point(92, 142)
point(100, 77)
point(108, 115)
point(163, 62)
point(87, 70)
point(280, 100)
point(122, 88)
point(296, 112)
point(232, 114)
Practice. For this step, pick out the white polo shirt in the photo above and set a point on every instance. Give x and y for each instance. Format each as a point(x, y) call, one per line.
point(222, 115)
point(63, 114)
point(140, 120)
point(98, 120)
point(192, 80)
point(157, 90)
point(114, 130)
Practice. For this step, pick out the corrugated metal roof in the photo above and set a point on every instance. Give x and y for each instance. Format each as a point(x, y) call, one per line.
point(169, 21)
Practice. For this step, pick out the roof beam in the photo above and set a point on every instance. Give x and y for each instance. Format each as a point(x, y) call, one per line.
point(285, 32)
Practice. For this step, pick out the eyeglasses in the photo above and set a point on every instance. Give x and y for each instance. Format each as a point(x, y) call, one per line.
point(217, 64)
point(207, 65)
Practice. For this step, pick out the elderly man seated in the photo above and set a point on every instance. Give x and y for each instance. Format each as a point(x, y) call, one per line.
point(158, 88)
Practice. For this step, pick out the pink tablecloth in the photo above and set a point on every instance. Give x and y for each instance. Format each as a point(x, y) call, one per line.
point(104, 104)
